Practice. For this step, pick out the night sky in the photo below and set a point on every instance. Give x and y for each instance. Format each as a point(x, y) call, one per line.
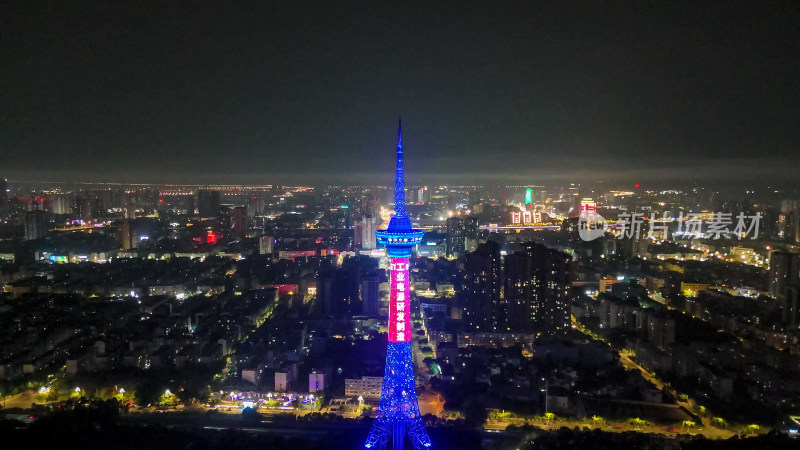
point(296, 92)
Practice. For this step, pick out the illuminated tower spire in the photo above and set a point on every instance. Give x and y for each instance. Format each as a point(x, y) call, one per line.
point(399, 179)
point(398, 411)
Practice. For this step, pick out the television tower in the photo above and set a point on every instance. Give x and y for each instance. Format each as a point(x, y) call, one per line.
point(398, 411)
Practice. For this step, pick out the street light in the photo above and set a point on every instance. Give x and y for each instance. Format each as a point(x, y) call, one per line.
point(546, 392)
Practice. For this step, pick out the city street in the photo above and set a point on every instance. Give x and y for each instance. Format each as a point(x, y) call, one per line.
point(23, 400)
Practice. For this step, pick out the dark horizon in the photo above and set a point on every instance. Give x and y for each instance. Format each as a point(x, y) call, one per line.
point(309, 94)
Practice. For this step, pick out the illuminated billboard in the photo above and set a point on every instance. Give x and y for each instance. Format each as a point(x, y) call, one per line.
point(526, 217)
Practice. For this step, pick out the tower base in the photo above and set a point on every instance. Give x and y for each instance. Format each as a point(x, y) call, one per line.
point(398, 411)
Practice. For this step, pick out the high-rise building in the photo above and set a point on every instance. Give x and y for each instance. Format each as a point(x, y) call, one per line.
point(224, 217)
point(350, 276)
point(329, 300)
point(370, 294)
point(369, 204)
point(554, 299)
point(364, 233)
point(129, 210)
point(125, 235)
point(472, 233)
point(483, 307)
point(660, 329)
point(455, 240)
point(789, 221)
point(36, 224)
point(425, 194)
point(3, 193)
point(472, 227)
point(536, 280)
point(239, 224)
point(208, 203)
point(418, 195)
point(519, 292)
point(61, 203)
point(398, 411)
point(256, 206)
point(784, 285)
point(474, 198)
point(266, 245)
point(233, 219)
point(411, 195)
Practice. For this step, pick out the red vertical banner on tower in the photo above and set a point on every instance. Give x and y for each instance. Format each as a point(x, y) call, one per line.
point(399, 304)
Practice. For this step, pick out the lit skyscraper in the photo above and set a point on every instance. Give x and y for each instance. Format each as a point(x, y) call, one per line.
point(536, 283)
point(483, 304)
point(370, 294)
point(456, 236)
point(266, 244)
point(364, 234)
point(784, 284)
point(398, 411)
point(36, 224)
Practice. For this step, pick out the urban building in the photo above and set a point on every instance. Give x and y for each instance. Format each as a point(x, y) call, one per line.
point(660, 329)
point(61, 204)
point(472, 233)
point(483, 307)
point(474, 198)
point(125, 235)
point(282, 380)
point(789, 221)
point(456, 234)
point(316, 381)
point(266, 245)
point(535, 286)
point(233, 220)
point(36, 224)
point(367, 387)
point(370, 294)
point(784, 285)
point(208, 203)
point(364, 233)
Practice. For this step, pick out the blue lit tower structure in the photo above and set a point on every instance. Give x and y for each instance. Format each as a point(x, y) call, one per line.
point(398, 411)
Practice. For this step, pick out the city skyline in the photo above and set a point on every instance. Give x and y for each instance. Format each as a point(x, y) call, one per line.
point(592, 239)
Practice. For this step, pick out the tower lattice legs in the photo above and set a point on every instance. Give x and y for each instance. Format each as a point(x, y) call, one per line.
point(398, 411)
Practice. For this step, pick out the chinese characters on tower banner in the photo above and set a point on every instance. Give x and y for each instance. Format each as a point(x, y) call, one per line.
point(399, 305)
